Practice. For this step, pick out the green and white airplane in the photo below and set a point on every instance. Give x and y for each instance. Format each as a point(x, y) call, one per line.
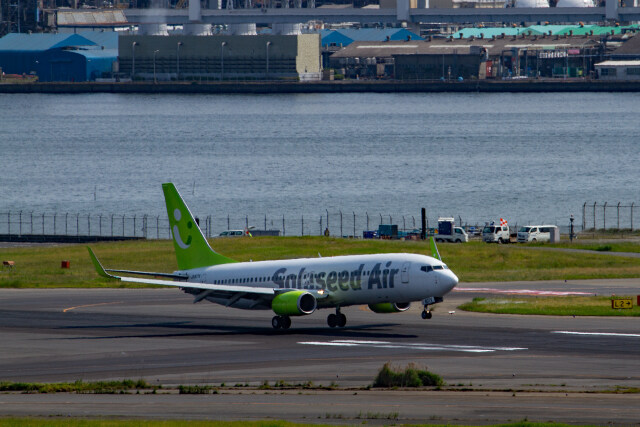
point(387, 283)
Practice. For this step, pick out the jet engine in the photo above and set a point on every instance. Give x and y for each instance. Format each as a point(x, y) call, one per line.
point(294, 303)
point(389, 307)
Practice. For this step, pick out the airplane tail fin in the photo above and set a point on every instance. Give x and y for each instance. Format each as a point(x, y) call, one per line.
point(434, 250)
point(192, 249)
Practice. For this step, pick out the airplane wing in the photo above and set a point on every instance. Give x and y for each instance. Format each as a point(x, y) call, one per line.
point(229, 290)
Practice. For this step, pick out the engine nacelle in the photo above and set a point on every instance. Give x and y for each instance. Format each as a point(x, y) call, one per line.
point(390, 307)
point(294, 303)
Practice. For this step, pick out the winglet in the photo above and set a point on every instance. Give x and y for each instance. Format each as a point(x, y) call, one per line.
point(99, 267)
point(434, 250)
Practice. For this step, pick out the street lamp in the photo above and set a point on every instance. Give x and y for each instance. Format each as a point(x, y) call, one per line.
point(154, 65)
point(267, 73)
point(178, 61)
point(222, 45)
point(133, 59)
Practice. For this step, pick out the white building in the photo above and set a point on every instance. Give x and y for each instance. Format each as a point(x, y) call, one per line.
point(618, 70)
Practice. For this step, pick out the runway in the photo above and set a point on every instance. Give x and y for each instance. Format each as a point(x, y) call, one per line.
point(159, 335)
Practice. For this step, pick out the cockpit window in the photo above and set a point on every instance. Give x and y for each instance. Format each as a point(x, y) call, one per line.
point(438, 267)
point(426, 268)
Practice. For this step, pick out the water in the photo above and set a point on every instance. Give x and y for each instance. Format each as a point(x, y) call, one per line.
point(524, 157)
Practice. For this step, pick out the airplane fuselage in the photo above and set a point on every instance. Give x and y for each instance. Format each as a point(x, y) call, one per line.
point(349, 280)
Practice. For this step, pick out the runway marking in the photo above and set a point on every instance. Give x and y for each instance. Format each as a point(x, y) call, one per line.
point(521, 291)
point(610, 334)
point(412, 346)
point(90, 305)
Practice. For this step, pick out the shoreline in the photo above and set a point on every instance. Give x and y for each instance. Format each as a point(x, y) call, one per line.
point(377, 86)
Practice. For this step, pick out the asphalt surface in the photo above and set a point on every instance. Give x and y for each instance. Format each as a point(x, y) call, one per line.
point(538, 367)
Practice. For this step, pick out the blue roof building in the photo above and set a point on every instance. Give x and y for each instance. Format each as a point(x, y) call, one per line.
point(58, 57)
point(344, 37)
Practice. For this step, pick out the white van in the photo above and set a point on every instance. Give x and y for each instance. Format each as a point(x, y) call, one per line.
point(537, 233)
point(495, 234)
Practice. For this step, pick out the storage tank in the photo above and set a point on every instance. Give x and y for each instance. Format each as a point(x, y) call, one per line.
point(196, 29)
point(287, 29)
point(531, 3)
point(243, 29)
point(575, 3)
point(153, 30)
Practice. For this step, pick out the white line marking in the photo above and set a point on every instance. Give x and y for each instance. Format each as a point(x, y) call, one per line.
point(610, 334)
point(520, 291)
point(412, 346)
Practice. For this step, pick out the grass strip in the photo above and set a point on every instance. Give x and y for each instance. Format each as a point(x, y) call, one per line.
point(552, 306)
point(40, 266)
point(101, 387)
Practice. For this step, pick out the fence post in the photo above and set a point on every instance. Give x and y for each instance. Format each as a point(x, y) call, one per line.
point(158, 226)
point(283, 229)
point(89, 224)
point(327, 210)
point(43, 215)
point(404, 224)
point(31, 227)
point(390, 220)
point(632, 215)
point(341, 233)
point(618, 216)
point(20, 224)
point(66, 224)
point(144, 226)
point(303, 225)
point(265, 221)
point(594, 216)
point(55, 216)
point(604, 216)
point(111, 225)
point(228, 222)
point(414, 221)
point(9, 223)
point(247, 221)
point(380, 219)
point(367, 213)
point(77, 223)
point(354, 225)
point(584, 209)
point(320, 226)
point(122, 225)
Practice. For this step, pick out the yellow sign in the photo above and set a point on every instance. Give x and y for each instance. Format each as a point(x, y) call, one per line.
point(622, 303)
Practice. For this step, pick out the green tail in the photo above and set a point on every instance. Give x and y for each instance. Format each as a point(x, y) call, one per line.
point(434, 250)
point(192, 249)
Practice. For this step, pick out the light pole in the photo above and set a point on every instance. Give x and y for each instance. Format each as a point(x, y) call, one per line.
point(267, 73)
point(178, 61)
point(154, 65)
point(133, 59)
point(222, 45)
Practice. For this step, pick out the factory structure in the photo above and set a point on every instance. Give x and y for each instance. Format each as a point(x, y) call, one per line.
point(92, 44)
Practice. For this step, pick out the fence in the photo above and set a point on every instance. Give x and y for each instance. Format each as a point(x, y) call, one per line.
point(157, 226)
point(619, 216)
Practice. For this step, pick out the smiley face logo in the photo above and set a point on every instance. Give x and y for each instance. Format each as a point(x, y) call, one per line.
point(177, 215)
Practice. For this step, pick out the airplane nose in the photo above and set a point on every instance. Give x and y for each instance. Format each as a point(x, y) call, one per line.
point(450, 280)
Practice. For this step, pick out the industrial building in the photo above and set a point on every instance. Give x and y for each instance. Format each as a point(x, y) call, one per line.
point(60, 57)
point(618, 70)
point(221, 57)
point(475, 58)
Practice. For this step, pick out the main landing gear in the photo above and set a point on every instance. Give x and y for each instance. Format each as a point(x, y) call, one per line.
point(281, 322)
point(337, 319)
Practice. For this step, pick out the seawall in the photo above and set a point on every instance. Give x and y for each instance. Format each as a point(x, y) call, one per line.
point(378, 86)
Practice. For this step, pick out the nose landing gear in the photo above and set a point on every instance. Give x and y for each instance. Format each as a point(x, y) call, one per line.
point(426, 314)
point(338, 319)
point(281, 322)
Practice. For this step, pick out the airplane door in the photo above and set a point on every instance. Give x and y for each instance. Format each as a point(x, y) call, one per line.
point(405, 272)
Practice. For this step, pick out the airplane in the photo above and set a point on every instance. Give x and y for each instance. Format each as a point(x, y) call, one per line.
point(387, 283)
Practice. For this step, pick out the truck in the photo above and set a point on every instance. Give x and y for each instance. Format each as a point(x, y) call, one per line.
point(448, 232)
point(492, 233)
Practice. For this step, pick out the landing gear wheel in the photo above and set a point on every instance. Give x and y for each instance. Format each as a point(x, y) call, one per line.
point(286, 322)
point(276, 322)
point(426, 314)
point(332, 320)
point(342, 320)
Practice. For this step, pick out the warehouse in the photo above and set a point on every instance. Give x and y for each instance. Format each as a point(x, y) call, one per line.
point(57, 57)
point(220, 57)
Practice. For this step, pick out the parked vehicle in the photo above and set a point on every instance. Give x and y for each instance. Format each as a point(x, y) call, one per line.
point(232, 233)
point(448, 232)
point(496, 233)
point(538, 233)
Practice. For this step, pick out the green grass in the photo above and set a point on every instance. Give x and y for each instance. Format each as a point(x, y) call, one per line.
point(76, 387)
point(605, 246)
point(39, 266)
point(411, 376)
point(553, 306)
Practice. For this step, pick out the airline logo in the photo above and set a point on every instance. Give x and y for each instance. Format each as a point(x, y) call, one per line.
point(379, 277)
point(177, 215)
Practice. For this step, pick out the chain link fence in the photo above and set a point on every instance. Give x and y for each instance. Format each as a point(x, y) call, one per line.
point(609, 216)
